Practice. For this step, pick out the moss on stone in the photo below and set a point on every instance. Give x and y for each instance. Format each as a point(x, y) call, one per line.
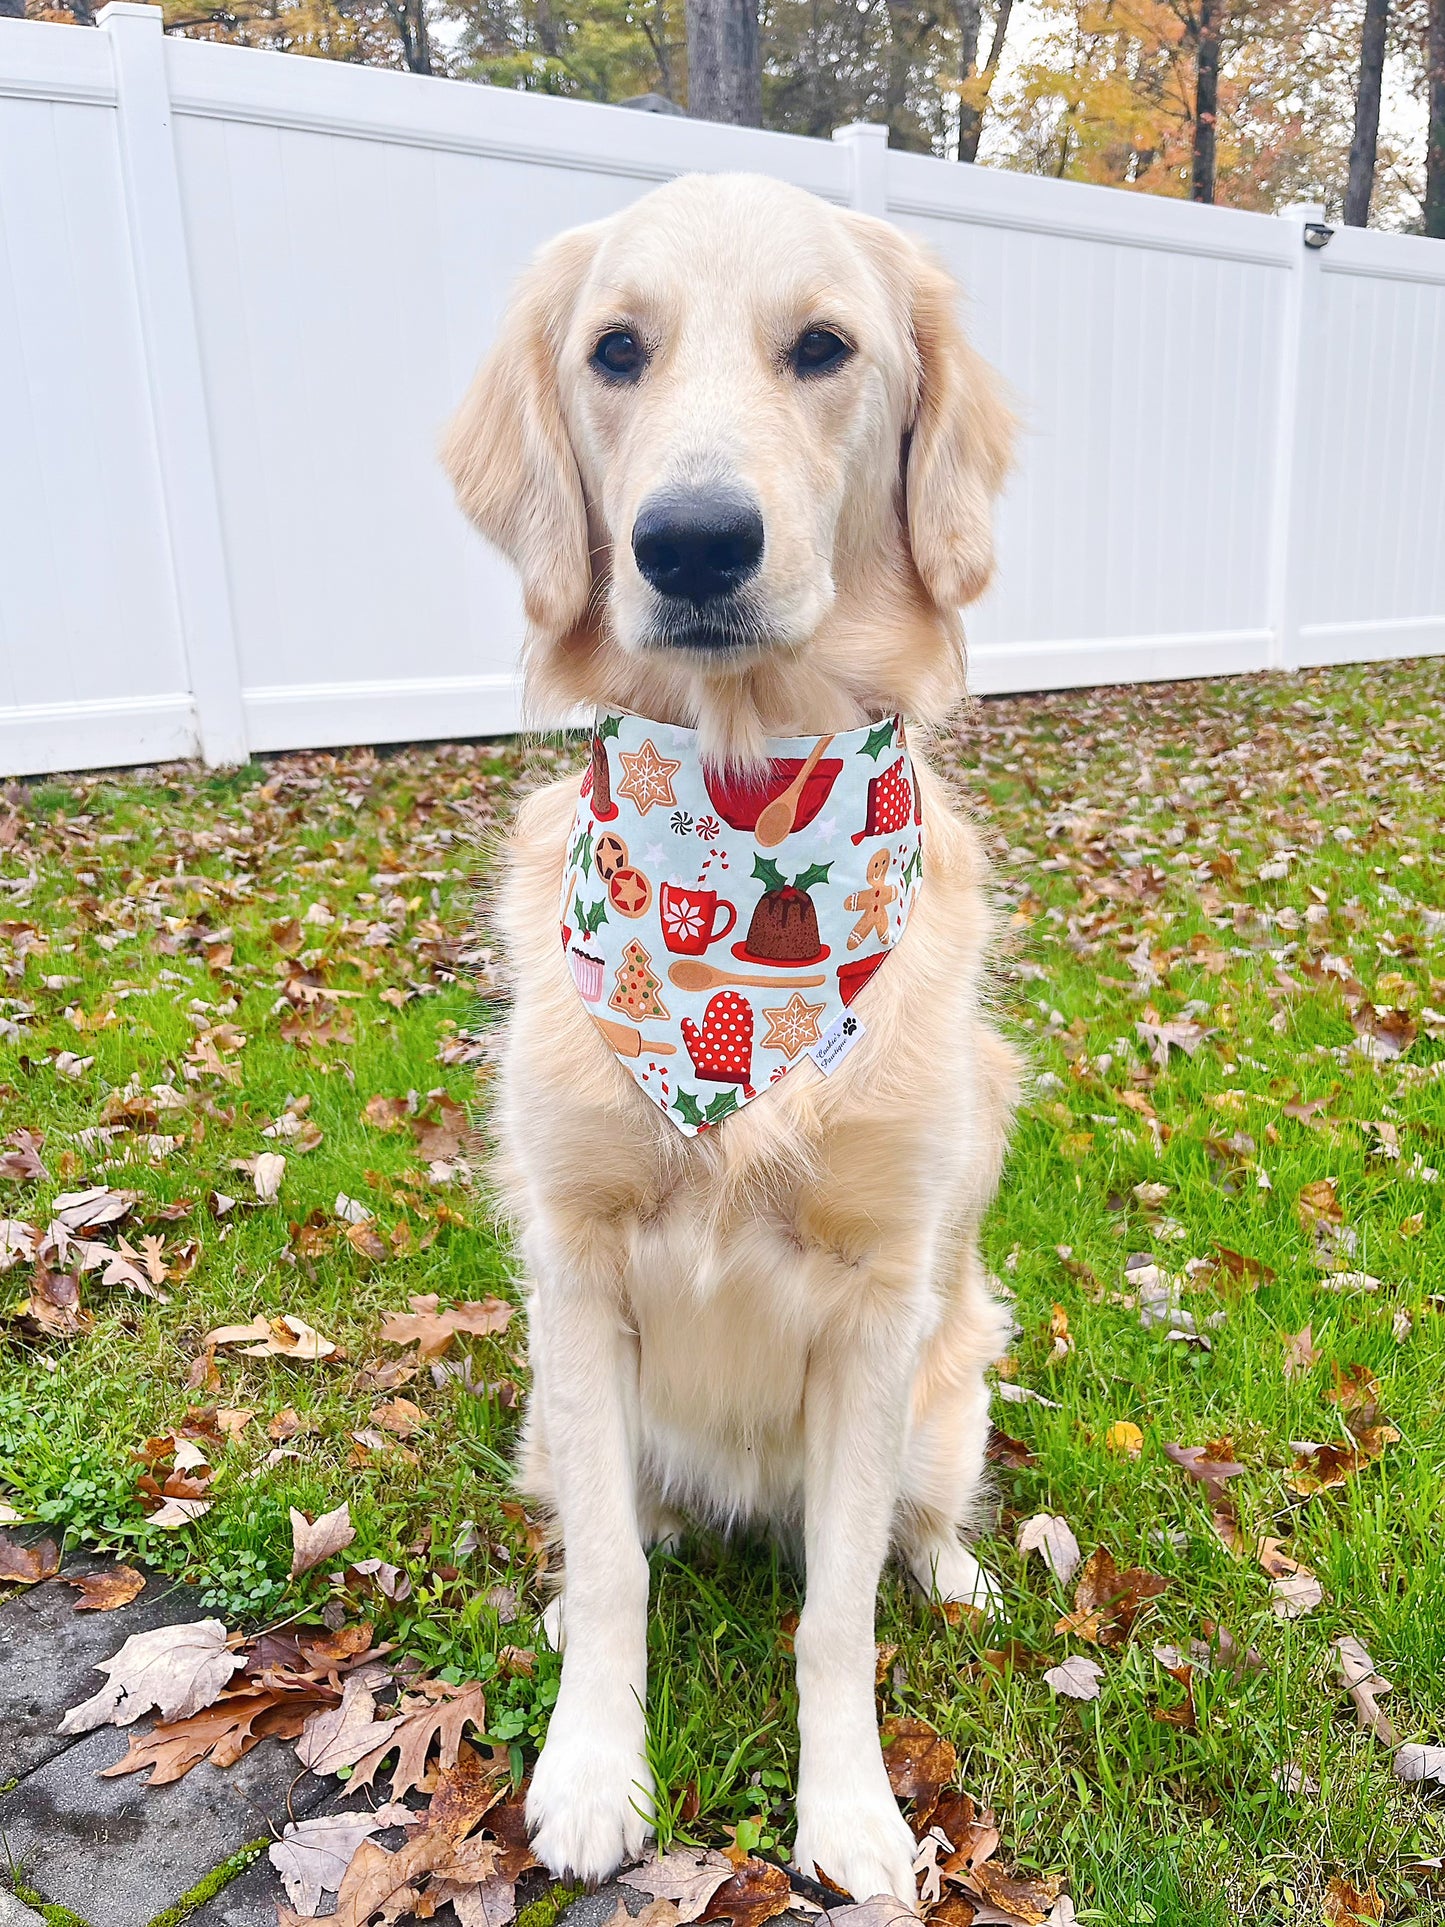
point(49, 1912)
point(545, 1909)
point(214, 1881)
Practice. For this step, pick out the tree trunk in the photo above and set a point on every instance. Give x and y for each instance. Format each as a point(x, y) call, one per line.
point(724, 62)
point(1435, 133)
point(1367, 114)
point(969, 151)
point(1206, 101)
point(969, 17)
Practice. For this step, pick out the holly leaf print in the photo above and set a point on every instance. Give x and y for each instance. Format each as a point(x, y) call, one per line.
point(721, 1106)
point(913, 870)
point(688, 1109)
point(766, 872)
point(609, 726)
point(582, 853)
point(588, 920)
point(815, 873)
point(879, 739)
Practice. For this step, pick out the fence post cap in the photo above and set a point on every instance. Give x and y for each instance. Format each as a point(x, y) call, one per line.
point(862, 130)
point(1305, 212)
point(127, 10)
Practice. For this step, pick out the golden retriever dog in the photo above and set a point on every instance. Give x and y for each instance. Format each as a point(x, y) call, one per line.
point(783, 1319)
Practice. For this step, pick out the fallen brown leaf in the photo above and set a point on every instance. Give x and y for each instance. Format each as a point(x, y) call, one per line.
point(1211, 1464)
point(1347, 1906)
point(433, 1331)
point(104, 1591)
point(920, 1763)
point(437, 1716)
point(687, 1876)
point(1107, 1601)
point(1301, 1354)
point(1365, 1684)
point(27, 1565)
point(175, 1670)
point(754, 1892)
point(315, 1540)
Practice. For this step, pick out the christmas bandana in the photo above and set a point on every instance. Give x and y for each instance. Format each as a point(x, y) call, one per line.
point(717, 925)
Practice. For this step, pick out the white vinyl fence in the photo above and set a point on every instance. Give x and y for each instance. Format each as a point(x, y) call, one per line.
point(240, 293)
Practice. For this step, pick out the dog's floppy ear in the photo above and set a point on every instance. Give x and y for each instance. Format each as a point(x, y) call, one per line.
point(959, 435)
point(508, 452)
point(959, 449)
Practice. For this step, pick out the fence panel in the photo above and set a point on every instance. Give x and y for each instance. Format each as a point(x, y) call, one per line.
point(92, 666)
point(1372, 490)
point(240, 293)
point(1144, 346)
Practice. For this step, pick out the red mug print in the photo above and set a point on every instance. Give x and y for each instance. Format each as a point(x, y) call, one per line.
point(689, 919)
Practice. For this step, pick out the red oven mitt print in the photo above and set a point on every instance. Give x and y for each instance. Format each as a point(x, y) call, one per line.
point(722, 1051)
point(890, 803)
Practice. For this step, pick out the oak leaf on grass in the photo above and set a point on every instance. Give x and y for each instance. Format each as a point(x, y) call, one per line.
point(1365, 1684)
point(284, 1337)
point(432, 1331)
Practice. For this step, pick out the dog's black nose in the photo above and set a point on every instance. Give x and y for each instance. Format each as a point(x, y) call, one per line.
point(698, 544)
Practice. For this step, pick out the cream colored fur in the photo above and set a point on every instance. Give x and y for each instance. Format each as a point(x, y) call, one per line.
point(784, 1319)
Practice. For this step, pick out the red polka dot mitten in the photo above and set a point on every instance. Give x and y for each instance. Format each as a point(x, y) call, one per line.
point(890, 803)
point(722, 1051)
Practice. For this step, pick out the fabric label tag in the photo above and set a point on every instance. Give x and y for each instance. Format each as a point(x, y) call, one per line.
point(836, 1042)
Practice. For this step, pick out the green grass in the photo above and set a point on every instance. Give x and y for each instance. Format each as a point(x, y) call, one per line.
point(1117, 818)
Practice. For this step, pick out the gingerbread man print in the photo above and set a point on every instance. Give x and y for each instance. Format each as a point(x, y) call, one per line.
point(872, 902)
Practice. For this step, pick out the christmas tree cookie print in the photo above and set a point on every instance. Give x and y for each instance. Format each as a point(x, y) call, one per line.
point(784, 927)
point(638, 986)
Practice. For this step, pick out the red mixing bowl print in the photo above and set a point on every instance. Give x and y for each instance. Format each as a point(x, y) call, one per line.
point(740, 799)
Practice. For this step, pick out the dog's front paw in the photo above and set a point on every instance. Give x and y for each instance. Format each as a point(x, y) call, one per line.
point(590, 1804)
point(857, 1841)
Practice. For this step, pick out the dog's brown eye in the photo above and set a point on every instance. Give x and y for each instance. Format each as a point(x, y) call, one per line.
point(619, 354)
point(818, 351)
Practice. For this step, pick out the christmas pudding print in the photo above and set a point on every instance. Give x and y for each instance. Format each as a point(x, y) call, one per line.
point(722, 1050)
point(707, 944)
point(784, 927)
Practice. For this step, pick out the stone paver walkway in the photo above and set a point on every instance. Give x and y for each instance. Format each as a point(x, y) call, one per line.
point(116, 1852)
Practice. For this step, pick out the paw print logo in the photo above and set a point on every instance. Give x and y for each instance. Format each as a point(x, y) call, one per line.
point(681, 823)
point(850, 1024)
